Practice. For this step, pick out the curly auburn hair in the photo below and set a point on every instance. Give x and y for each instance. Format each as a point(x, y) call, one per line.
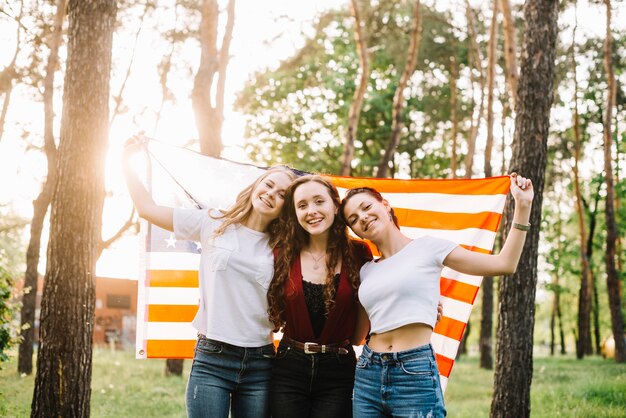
point(339, 248)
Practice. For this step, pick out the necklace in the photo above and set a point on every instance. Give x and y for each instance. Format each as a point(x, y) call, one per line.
point(316, 260)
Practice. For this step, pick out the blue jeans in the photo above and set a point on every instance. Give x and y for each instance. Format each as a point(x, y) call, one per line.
point(311, 385)
point(401, 384)
point(226, 377)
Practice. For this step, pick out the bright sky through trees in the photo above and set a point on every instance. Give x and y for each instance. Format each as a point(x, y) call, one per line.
point(265, 32)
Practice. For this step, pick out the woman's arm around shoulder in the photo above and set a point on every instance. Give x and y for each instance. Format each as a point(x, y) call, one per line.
point(161, 216)
point(362, 327)
point(505, 262)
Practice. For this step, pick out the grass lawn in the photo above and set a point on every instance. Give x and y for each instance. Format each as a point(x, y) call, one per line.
point(125, 387)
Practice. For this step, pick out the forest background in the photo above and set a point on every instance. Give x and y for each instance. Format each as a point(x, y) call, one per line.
point(420, 90)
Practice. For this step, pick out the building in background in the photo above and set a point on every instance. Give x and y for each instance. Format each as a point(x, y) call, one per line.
point(115, 313)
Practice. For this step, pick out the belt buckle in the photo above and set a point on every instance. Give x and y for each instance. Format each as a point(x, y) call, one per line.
point(306, 348)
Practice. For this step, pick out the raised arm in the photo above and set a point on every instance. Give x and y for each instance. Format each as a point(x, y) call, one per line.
point(161, 216)
point(505, 262)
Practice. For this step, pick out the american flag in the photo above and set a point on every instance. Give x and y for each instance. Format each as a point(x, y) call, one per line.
point(467, 212)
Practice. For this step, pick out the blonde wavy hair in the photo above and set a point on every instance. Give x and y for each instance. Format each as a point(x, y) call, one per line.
point(240, 211)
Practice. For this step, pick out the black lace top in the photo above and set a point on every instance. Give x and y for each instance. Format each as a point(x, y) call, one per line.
point(314, 297)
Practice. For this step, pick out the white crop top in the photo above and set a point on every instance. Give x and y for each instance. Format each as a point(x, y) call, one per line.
point(404, 288)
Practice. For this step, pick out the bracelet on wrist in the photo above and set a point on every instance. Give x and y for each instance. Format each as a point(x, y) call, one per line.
point(521, 227)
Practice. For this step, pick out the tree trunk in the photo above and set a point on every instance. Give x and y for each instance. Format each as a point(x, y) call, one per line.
point(612, 277)
point(514, 362)
point(359, 93)
point(9, 73)
point(486, 323)
point(63, 381)
point(583, 345)
point(398, 97)
point(454, 75)
point(209, 117)
point(40, 205)
point(173, 367)
point(463, 342)
point(475, 54)
point(592, 278)
point(556, 303)
point(510, 49)
point(485, 344)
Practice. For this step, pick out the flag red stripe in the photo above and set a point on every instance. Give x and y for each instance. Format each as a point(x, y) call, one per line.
point(172, 278)
point(444, 364)
point(170, 348)
point(485, 186)
point(460, 291)
point(171, 313)
point(449, 221)
point(450, 328)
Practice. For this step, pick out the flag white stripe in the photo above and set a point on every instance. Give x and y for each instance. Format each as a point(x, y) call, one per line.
point(470, 236)
point(456, 309)
point(444, 346)
point(441, 202)
point(173, 295)
point(461, 277)
point(142, 298)
point(444, 383)
point(172, 261)
point(171, 331)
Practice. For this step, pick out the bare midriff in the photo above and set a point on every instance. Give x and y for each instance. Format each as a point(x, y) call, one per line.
point(404, 338)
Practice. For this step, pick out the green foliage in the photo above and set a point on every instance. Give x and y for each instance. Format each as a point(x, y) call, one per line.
point(562, 386)
point(125, 387)
point(11, 265)
point(6, 313)
point(297, 113)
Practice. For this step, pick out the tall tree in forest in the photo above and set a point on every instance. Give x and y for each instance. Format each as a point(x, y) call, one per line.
point(454, 118)
point(486, 322)
point(514, 362)
point(583, 343)
point(208, 108)
point(556, 317)
point(510, 49)
point(359, 92)
point(475, 59)
point(612, 277)
point(40, 205)
point(63, 381)
point(398, 99)
point(9, 73)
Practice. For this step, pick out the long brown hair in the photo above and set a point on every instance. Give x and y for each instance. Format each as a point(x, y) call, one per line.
point(294, 238)
point(240, 211)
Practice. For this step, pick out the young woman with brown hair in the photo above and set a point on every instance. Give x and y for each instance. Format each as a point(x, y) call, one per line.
point(312, 298)
point(396, 374)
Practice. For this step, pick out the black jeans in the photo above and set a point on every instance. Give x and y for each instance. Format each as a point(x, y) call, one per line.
point(311, 385)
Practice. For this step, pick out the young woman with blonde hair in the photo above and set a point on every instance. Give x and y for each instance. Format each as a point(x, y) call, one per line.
point(233, 355)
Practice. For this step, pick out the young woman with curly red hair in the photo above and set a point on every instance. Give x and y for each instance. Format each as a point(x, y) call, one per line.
point(313, 299)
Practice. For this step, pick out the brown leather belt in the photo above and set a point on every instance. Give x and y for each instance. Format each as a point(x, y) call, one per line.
point(315, 348)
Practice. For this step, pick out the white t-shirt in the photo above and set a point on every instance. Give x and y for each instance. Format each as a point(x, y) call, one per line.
point(236, 269)
point(404, 288)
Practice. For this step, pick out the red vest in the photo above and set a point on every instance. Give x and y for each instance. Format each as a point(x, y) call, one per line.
point(341, 319)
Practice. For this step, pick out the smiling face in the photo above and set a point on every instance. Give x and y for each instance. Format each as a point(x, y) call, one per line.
point(367, 216)
point(269, 194)
point(314, 207)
